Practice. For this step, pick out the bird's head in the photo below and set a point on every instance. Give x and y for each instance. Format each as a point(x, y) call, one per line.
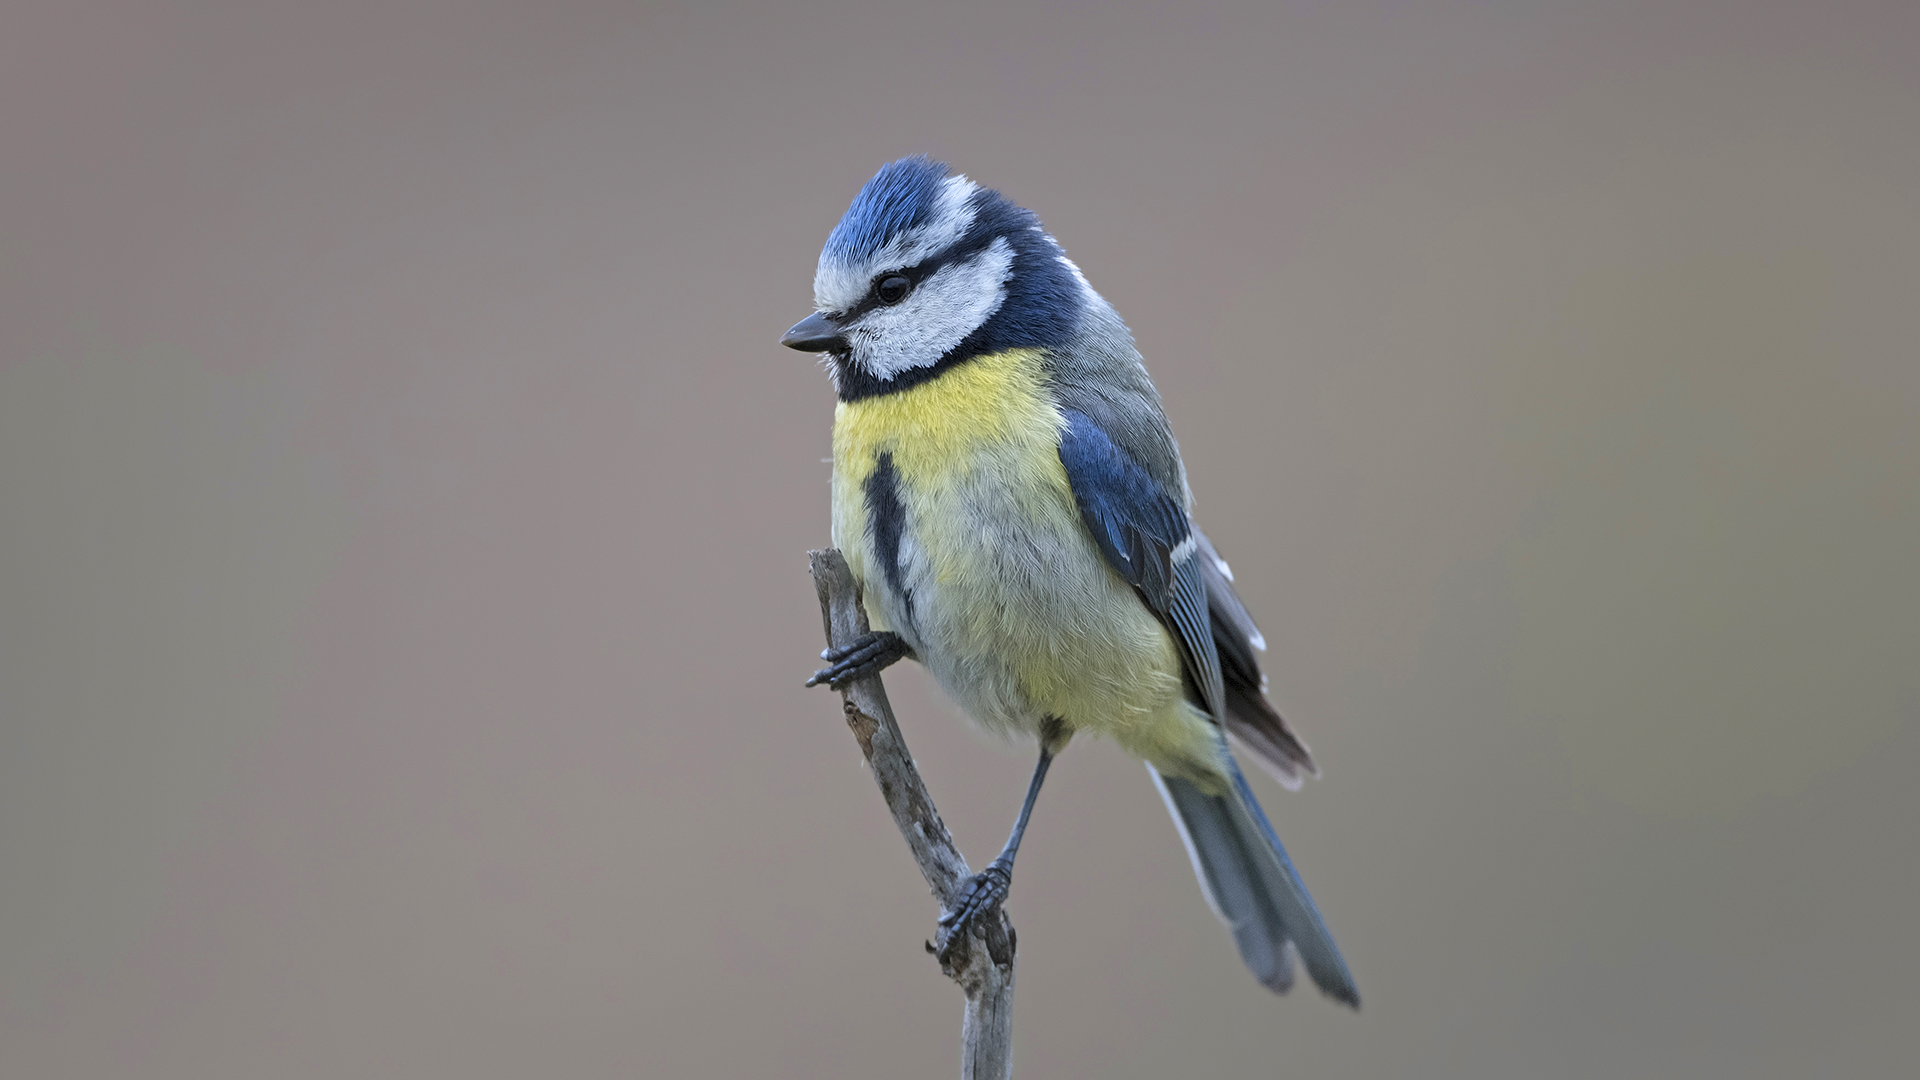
point(928, 269)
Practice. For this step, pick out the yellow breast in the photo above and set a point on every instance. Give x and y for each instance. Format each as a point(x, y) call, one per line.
point(981, 440)
point(937, 431)
point(990, 419)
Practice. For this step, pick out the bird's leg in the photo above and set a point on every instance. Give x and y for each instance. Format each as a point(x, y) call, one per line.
point(865, 655)
point(982, 893)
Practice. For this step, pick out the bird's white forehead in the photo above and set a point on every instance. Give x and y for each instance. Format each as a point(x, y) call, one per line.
point(839, 285)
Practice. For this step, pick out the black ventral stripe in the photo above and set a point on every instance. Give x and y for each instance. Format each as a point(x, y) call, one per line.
point(886, 519)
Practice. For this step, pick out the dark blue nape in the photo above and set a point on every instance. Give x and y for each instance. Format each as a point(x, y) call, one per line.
point(1043, 304)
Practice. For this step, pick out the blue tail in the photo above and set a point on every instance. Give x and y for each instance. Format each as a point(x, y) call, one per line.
point(1252, 886)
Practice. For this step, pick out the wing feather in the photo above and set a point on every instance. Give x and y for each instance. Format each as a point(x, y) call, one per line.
point(1143, 531)
point(1249, 718)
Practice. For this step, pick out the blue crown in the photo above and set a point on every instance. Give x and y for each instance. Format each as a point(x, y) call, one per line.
point(899, 197)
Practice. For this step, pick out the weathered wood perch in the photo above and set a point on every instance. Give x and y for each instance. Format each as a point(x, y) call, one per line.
point(981, 961)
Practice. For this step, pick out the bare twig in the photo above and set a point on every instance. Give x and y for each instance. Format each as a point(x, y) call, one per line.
point(982, 960)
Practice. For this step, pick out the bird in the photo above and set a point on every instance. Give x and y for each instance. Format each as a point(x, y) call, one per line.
point(1009, 497)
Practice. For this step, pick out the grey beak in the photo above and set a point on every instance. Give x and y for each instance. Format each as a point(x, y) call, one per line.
point(815, 333)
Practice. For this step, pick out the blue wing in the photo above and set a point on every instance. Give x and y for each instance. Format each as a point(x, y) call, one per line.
point(1143, 531)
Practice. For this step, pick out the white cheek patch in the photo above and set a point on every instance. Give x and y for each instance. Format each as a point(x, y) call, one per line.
point(935, 316)
point(838, 286)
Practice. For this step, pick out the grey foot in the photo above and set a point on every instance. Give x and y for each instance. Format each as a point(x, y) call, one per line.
point(980, 896)
point(866, 655)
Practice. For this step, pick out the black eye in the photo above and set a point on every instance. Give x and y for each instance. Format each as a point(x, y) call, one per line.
point(893, 289)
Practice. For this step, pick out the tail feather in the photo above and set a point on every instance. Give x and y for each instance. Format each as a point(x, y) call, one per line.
point(1252, 886)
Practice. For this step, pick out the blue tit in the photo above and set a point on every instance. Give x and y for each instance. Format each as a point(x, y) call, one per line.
point(1008, 494)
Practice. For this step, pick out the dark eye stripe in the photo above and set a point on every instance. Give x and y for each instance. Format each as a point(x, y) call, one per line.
point(966, 248)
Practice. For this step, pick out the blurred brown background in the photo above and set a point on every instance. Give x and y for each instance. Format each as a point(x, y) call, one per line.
point(403, 506)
